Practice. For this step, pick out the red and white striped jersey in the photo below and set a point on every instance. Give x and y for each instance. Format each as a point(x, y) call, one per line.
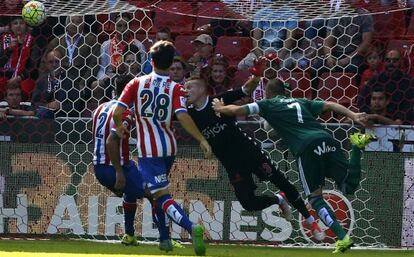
point(102, 123)
point(260, 91)
point(155, 99)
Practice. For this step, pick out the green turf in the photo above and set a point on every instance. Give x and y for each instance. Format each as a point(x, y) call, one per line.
point(73, 246)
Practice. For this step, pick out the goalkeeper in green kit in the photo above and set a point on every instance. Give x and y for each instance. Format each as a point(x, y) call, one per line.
point(317, 153)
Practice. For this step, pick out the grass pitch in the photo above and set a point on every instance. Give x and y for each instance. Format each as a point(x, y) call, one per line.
point(75, 248)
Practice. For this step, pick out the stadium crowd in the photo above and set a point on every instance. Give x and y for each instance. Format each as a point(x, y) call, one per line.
point(69, 65)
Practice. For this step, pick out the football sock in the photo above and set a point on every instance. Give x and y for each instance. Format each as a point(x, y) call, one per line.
point(355, 158)
point(327, 216)
point(354, 170)
point(310, 220)
point(174, 211)
point(161, 220)
point(129, 216)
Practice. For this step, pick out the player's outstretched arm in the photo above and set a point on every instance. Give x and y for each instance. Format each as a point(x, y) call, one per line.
point(121, 131)
point(189, 125)
point(360, 118)
point(257, 71)
point(230, 110)
point(113, 145)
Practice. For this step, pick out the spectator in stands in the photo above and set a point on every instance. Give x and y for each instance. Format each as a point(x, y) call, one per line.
point(13, 105)
point(80, 53)
point(162, 34)
point(397, 84)
point(203, 52)
point(219, 75)
point(47, 84)
point(377, 113)
point(178, 70)
point(112, 49)
point(273, 32)
point(348, 40)
point(375, 66)
point(11, 7)
point(103, 89)
point(18, 57)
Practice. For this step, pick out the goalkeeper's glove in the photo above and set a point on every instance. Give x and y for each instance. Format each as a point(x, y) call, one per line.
point(259, 66)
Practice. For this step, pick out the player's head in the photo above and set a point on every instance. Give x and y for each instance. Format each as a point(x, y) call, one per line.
point(162, 54)
point(120, 82)
point(275, 87)
point(196, 89)
point(379, 100)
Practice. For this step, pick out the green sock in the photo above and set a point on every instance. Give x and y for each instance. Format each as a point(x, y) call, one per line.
point(355, 158)
point(327, 216)
point(354, 169)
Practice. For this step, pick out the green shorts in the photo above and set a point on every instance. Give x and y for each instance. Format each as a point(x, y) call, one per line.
point(322, 158)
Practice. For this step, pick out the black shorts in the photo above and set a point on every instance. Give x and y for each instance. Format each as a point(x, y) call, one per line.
point(246, 160)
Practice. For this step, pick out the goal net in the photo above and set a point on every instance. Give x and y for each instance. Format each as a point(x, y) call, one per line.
point(331, 50)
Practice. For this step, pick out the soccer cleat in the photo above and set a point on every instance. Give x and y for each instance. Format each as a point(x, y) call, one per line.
point(176, 244)
point(166, 245)
point(198, 240)
point(343, 245)
point(317, 232)
point(361, 140)
point(129, 240)
point(285, 208)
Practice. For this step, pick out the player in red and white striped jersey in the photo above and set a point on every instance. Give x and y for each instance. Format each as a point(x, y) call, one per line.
point(101, 129)
point(112, 165)
point(156, 99)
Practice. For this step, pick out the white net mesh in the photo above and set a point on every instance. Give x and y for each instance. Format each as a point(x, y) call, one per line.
point(50, 188)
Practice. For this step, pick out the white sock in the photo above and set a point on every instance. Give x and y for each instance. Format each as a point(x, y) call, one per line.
point(310, 220)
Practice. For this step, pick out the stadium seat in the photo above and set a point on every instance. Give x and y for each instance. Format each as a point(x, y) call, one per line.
point(234, 48)
point(338, 87)
point(207, 10)
point(300, 85)
point(184, 46)
point(389, 24)
point(177, 16)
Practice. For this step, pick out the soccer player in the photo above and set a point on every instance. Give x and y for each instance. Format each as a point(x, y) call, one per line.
point(113, 169)
point(318, 154)
point(240, 155)
point(156, 98)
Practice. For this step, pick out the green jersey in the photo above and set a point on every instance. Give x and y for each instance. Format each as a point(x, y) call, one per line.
point(293, 118)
